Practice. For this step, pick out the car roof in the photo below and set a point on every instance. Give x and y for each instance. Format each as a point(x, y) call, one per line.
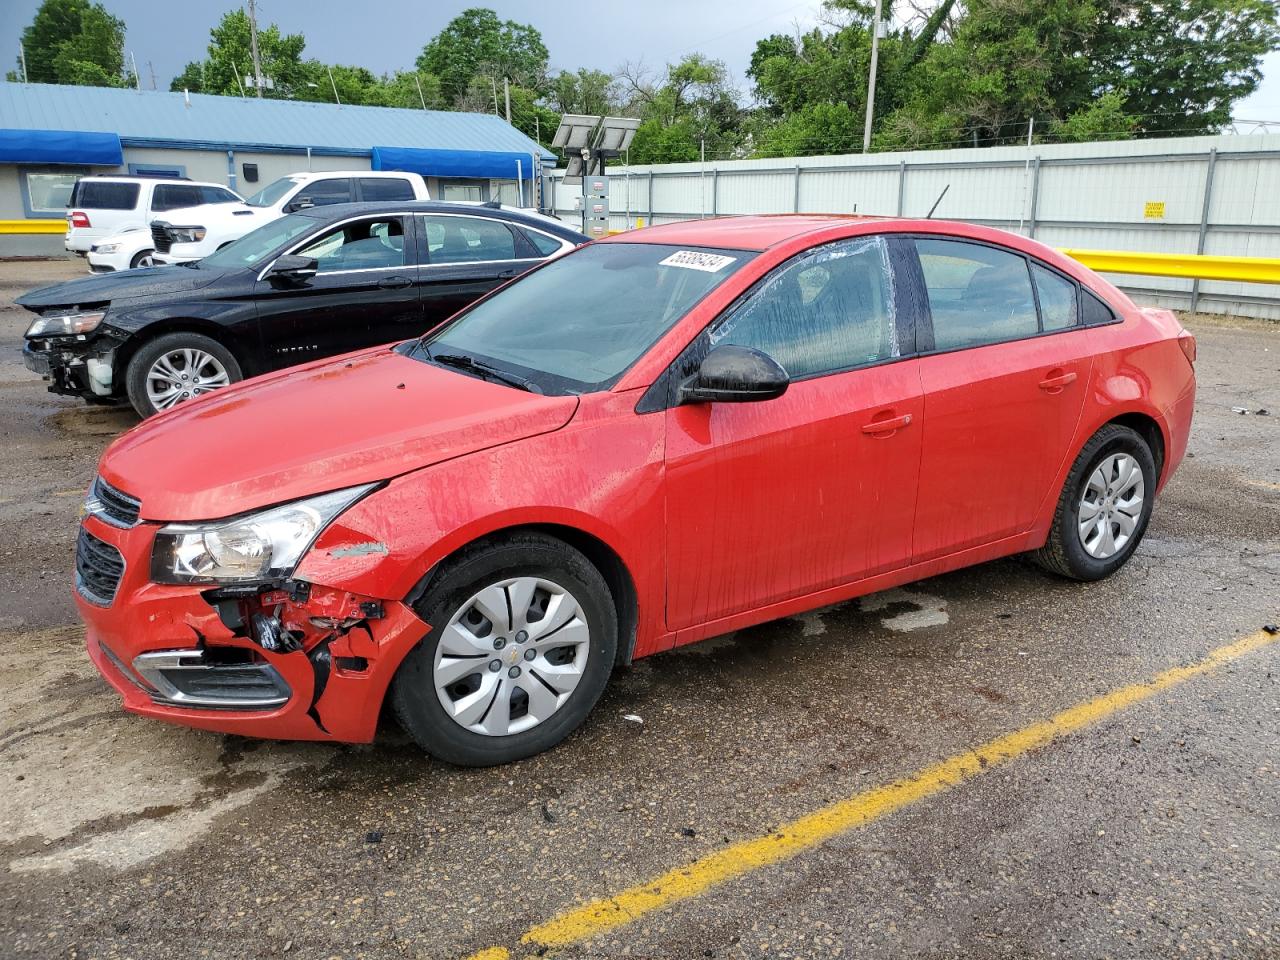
point(327, 174)
point(340, 211)
point(741, 233)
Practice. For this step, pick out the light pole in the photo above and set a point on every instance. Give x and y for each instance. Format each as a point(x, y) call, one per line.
point(871, 80)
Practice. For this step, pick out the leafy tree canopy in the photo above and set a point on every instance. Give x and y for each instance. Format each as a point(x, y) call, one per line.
point(476, 43)
point(73, 41)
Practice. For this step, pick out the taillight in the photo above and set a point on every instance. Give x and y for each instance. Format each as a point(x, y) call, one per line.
point(1188, 344)
point(79, 218)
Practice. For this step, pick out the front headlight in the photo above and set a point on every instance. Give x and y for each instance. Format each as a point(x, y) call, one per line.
point(187, 234)
point(65, 325)
point(106, 248)
point(258, 546)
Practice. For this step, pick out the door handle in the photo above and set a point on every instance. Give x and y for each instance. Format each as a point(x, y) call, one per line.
point(508, 274)
point(887, 426)
point(1056, 380)
point(394, 283)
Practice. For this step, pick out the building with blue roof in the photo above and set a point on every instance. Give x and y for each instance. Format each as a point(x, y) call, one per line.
point(50, 135)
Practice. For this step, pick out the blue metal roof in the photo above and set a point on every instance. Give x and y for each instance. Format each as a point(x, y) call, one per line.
point(155, 118)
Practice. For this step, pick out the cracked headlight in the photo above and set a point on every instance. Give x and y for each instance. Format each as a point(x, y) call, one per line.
point(186, 234)
point(65, 325)
point(257, 546)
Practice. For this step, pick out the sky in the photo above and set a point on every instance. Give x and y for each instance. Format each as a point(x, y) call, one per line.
point(389, 34)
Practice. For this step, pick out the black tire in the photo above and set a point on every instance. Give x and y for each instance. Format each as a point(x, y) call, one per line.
point(1063, 553)
point(136, 262)
point(152, 350)
point(413, 695)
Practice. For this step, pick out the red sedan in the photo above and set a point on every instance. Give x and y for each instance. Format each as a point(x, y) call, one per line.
point(671, 434)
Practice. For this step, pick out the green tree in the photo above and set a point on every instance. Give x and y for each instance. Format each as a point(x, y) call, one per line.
point(591, 92)
point(230, 60)
point(73, 41)
point(476, 43)
point(692, 105)
point(1104, 119)
point(1181, 67)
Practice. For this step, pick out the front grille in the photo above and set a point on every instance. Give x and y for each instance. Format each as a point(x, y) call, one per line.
point(99, 568)
point(160, 237)
point(114, 506)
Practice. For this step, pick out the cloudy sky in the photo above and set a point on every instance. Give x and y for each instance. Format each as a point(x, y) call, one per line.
point(389, 34)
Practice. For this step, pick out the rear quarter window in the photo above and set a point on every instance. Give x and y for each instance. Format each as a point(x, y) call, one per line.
point(1093, 311)
point(545, 245)
point(98, 195)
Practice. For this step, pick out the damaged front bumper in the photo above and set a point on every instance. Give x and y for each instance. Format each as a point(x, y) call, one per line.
point(290, 661)
point(74, 366)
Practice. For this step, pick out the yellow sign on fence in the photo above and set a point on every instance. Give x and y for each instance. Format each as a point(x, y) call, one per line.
point(1153, 210)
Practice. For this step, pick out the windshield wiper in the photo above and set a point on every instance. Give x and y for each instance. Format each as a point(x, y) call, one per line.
point(463, 362)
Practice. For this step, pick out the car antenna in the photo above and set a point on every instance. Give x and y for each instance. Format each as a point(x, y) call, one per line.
point(938, 201)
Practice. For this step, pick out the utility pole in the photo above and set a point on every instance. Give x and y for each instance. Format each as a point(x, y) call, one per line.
point(871, 80)
point(253, 46)
point(22, 54)
point(137, 80)
point(152, 70)
point(494, 84)
point(332, 84)
point(506, 93)
point(419, 86)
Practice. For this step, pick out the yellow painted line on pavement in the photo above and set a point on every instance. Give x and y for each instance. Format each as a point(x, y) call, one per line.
point(692, 879)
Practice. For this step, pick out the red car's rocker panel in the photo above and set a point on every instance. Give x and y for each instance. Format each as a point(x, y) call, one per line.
point(694, 516)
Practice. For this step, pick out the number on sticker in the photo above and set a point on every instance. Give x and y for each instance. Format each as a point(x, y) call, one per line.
point(696, 260)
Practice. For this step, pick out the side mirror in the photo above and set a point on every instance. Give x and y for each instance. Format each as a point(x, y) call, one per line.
point(732, 374)
point(293, 269)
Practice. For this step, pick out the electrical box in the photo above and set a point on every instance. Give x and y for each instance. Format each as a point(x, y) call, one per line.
point(595, 211)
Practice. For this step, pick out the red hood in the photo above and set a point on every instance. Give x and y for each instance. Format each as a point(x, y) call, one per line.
point(329, 425)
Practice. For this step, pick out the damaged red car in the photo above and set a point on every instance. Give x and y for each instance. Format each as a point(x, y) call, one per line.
point(675, 433)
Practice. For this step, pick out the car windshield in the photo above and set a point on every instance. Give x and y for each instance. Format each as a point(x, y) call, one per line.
point(256, 244)
point(577, 324)
point(268, 195)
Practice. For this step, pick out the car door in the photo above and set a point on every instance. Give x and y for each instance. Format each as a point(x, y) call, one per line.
point(363, 292)
point(1005, 367)
point(464, 257)
point(777, 499)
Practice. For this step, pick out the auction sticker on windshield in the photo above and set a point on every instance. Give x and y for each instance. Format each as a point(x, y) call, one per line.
point(696, 260)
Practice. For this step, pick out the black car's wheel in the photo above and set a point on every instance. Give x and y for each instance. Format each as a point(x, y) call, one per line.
point(1104, 507)
point(522, 642)
point(176, 367)
point(143, 258)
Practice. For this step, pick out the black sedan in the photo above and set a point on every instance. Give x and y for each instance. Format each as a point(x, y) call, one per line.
point(312, 284)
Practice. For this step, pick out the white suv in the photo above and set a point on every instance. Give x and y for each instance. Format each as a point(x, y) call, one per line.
point(200, 231)
point(102, 206)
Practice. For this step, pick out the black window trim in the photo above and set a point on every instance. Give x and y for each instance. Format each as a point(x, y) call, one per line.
point(662, 394)
point(924, 325)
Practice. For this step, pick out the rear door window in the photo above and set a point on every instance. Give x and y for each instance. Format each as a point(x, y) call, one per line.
point(385, 188)
point(105, 195)
point(544, 244)
point(217, 195)
point(1057, 295)
point(830, 310)
point(467, 240)
point(171, 196)
point(323, 192)
point(977, 294)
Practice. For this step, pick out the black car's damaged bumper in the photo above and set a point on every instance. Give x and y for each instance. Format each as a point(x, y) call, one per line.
point(75, 368)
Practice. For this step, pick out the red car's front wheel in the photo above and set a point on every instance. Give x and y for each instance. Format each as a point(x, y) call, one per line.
point(522, 641)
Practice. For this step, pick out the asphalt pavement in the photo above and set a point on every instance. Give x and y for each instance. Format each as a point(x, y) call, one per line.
point(1151, 830)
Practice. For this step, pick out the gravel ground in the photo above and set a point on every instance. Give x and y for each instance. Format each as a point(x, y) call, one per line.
point(1155, 833)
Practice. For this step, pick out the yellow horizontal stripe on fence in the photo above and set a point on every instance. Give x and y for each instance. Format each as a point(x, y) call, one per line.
point(1188, 265)
point(33, 226)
